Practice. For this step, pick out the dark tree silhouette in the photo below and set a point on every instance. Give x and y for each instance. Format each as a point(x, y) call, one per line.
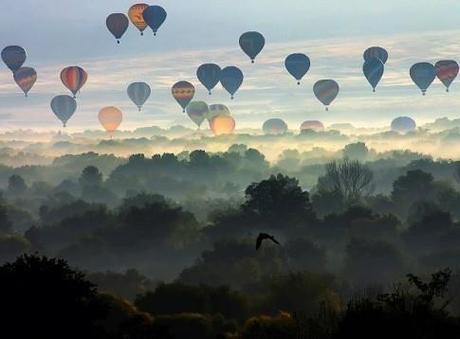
point(278, 201)
point(350, 178)
point(43, 298)
point(16, 185)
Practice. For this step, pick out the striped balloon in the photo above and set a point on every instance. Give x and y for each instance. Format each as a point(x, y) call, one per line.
point(183, 92)
point(25, 77)
point(447, 71)
point(326, 91)
point(74, 78)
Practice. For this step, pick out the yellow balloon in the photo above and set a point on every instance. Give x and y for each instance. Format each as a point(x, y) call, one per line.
point(222, 124)
point(110, 118)
point(135, 15)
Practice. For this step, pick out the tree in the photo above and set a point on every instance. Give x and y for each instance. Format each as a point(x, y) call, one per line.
point(44, 297)
point(16, 185)
point(278, 201)
point(90, 178)
point(5, 223)
point(415, 185)
point(177, 298)
point(356, 151)
point(350, 178)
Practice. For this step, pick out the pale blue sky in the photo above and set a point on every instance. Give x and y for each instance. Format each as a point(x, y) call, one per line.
point(334, 33)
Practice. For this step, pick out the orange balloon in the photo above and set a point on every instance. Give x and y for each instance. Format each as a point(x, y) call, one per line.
point(222, 124)
point(136, 17)
point(110, 118)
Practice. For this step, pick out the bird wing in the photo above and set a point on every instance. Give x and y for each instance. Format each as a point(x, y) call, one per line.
point(274, 240)
point(259, 241)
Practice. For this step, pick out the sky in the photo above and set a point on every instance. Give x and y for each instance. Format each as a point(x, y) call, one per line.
point(333, 33)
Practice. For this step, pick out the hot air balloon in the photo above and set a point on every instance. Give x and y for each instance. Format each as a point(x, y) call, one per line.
point(376, 52)
point(231, 79)
point(326, 91)
point(74, 78)
point(198, 111)
point(110, 118)
point(222, 124)
point(139, 92)
point(183, 92)
point(154, 16)
point(136, 17)
point(217, 109)
point(252, 44)
point(403, 125)
point(117, 24)
point(209, 75)
point(63, 106)
point(25, 77)
point(275, 127)
point(423, 75)
point(14, 57)
point(373, 69)
point(297, 65)
point(313, 125)
point(447, 71)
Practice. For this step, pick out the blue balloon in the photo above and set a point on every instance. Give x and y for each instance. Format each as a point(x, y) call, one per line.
point(297, 65)
point(209, 75)
point(252, 44)
point(376, 52)
point(139, 92)
point(423, 75)
point(373, 70)
point(14, 57)
point(63, 107)
point(403, 125)
point(231, 79)
point(154, 16)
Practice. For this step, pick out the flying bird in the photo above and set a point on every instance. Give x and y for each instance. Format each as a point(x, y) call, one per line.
point(264, 236)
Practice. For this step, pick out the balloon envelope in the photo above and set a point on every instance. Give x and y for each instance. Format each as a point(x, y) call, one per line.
point(222, 124)
point(275, 127)
point(198, 111)
point(139, 92)
point(110, 118)
point(117, 24)
point(74, 78)
point(373, 69)
point(376, 52)
point(326, 91)
point(252, 44)
point(313, 125)
point(183, 92)
point(63, 106)
point(14, 57)
point(297, 65)
point(25, 77)
point(154, 16)
point(403, 125)
point(423, 75)
point(231, 79)
point(447, 71)
point(209, 75)
point(217, 109)
point(136, 17)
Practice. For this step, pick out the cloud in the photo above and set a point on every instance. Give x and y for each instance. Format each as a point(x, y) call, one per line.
point(268, 90)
